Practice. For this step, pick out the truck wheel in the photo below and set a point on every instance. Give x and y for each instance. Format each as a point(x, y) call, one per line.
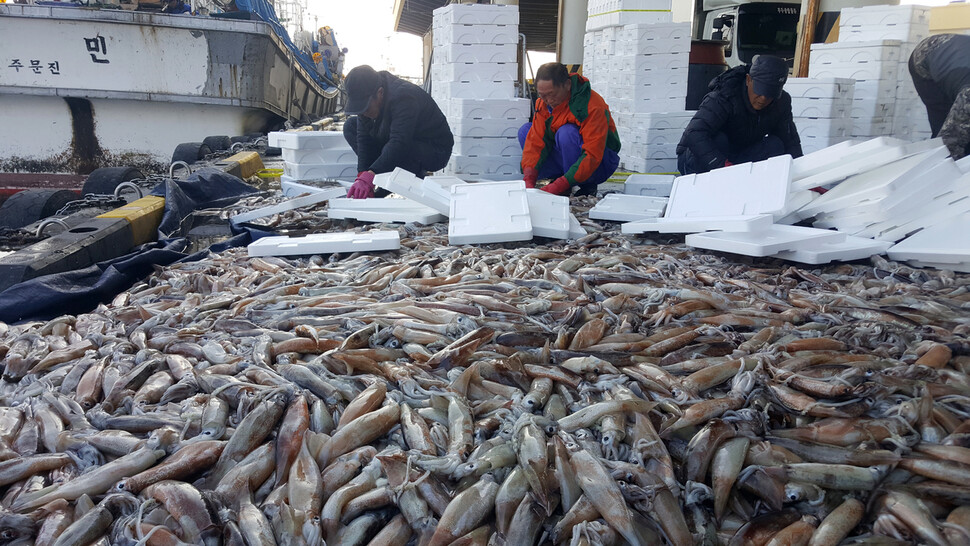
point(28, 206)
point(217, 143)
point(103, 181)
point(190, 152)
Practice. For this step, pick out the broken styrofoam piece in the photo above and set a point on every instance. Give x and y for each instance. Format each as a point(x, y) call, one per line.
point(618, 207)
point(764, 242)
point(383, 210)
point(489, 212)
point(652, 185)
point(549, 214)
point(862, 162)
point(290, 204)
point(406, 184)
point(292, 188)
point(942, 243)
point(750, 222)
point(748, 188)
point(852, 248)
point(576, 230)
point(307, 140)
point(325, 243)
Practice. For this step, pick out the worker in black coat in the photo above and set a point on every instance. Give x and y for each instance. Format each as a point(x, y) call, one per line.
point(396, 124)
point(746, 116)
point(940, 67)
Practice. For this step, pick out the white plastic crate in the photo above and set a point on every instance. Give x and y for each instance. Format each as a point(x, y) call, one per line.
point(476, 53)
point(822, 127)
point(489, 213)
point(651, 185)
point(517, 109)
point(820, 108)
point(474, 72)
point(473, 90)
point(485, 127)
point(476, 14)
point(444, 34)
point(325, 243)
point(320, 171)
point(330, 155)
point(819, 88)
point(884, 51)
point(495, 146)
point(307, 140)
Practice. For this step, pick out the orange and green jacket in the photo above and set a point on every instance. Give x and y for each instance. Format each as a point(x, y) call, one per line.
point(586, 109)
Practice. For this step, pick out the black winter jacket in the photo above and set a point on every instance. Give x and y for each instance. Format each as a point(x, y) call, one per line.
point(409, 116)
point(726, 109)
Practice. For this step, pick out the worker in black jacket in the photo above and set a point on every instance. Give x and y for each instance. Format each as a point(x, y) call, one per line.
point(940, 67)
point(746, 116)
point(397, 125)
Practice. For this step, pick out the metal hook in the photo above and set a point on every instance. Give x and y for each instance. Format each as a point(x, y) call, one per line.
point(171, 168)
point(49, 221)
point(129, 185)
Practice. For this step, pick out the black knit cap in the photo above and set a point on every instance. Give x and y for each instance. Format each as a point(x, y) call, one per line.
point(769, 74)
point(360, 85)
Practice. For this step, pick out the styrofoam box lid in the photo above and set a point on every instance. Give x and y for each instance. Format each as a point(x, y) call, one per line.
point(863, 156)
point(549, 213)
point(852, 248)
point(819, 161)
point(945, 242)
point(292, 188)
point(504, 108)
point(764, 242)
point(406, 184)
point(748, 188)
point(626, 208)
point(290, 204)
point(489, 212)
point(383, 210)
point(938, 210)
point(748, 222)
point(476, 14)
point(654, 185)
point(325, 243)
point(819, 87)
point(298, 140)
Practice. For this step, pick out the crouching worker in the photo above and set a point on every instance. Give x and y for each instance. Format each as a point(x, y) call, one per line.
point(572, 138)
point(396, 124)
point(745, 117)
point(940, 67)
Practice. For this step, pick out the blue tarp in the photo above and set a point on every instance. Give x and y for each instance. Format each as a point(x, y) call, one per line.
point(81, 290)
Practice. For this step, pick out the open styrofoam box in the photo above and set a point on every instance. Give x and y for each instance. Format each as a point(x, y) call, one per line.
point(315, 155)
point(619, 207)
point(764, 242)
point(304, 140)
point(408, 185)
point(383, 210)
point(293, 188)
point(651, 185)
point(549, 213)
point(325, 243)
point(319, 171)
point(747, 188)
point(489, 212)
point(745, 222)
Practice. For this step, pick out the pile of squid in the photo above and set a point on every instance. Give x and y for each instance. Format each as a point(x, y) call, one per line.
point(602, 391)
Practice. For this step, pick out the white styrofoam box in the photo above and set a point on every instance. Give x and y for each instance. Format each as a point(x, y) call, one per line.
point(549, 213)
point(660, 32)
point(652, 63)
point(485, 127)
point(316, 155)
point(476, 53)
point(576, 230)
point(938, 210)
point(852, 248)
point(651, 151)
point(884, 15)
point(906, 92)
point(871, 126)
point(319, 171)
point(677, 119)
point(647, 105)
point(823, 127)
point(474, 90)
point(944, 243)
point(860, 71)
point(745, 222)
point(764, 242)
point(489, 212)
point(474, 72)
point(664, 90)
point(307, 140)
point(408, 185)
point(906, 33)
point(476, 146)
point(325, 243)
point(891, 150)
point(383, 210)
point(832, 157)
point(747, 188)
point(445, 181)
point(505, 108)
point(866, 108)
point(620, 207)
point(626, 17)
point(291, 188)
point(474, 34)
point(820, 108)
point(652, 185)
point(485, 166)
point(884, 51)
point(655, 166)
point(290, 204)
point(651, 136)
point(476, 14)
point(819, 88)
point(817, 144)
point(628, 44)
point(875, 90)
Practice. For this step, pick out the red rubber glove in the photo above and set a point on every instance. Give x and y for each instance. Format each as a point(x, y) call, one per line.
point(363, 187)
point(530, 175)
point(727, 163)
point(559, 187)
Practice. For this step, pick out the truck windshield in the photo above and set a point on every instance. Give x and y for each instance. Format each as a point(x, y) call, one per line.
point(766, 28)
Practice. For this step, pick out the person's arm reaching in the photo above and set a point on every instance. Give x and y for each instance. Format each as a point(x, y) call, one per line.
point(711, 116)
point(955, 132)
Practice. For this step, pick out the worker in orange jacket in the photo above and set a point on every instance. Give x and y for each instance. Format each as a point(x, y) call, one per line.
point(572, 138)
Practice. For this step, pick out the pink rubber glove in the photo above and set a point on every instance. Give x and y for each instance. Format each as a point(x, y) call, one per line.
point(363, 187)
point(727, 163)
point(559, 187)
point(530, 175)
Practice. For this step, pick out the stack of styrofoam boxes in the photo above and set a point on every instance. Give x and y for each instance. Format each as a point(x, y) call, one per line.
point(601, 14)
point(649, 69)
point(315, 155)
point(821, 108)
point(473, 75)
point(649, 140)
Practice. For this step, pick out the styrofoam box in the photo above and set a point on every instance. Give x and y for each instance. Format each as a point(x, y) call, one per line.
point(885, 51)
point(651, 185)
point(476, 14)
point(651, 136)
point(476, 53)
point(408, 185)
point(871, 126)
point(656, 120)
point(651, 47)
point(823, 127)
point(291, 188)
point(473, 90)
point(624, 5)
point(325, 243)
point(648, 91)
point(875, 90)
point(907, 33)
point(939, 210)
point(646, 63)
point(852, 248)
point(618, 207)
point(661, 32)
point(331, 155)
point(509, 108)
point(748, 222)
point(879, 153)
point(484, 127)
point(656, 166)
point(475, 34)
point(383, 210)
point(674, 77)
point(649, 105)
point(549, 213)
point(818, 88)
point(883, 15)
point(290, 204)
point(651, 151)
point(484, 165)
point(319, 171)
point(820, 108)
point(871, 109)
point(860, 71)
point(618, 18)
point(906, 92)
point(943, 243)
point(307, 140)
point(764, 242)
point(474, 72)
point(748, 188)
point(489, 212)
point(477, 146)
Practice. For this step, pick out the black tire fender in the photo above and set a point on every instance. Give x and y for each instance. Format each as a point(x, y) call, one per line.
point(26, 207)
point(103, 181)
point(190, 152)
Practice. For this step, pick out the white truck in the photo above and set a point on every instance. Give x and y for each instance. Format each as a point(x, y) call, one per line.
point(749, 28)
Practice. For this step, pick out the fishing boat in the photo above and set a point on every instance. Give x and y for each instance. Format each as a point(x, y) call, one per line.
point(83, 88)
